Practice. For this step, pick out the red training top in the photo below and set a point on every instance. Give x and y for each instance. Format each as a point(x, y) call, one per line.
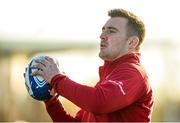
point(122, 94)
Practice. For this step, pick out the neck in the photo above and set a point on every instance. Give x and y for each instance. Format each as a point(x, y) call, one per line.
point(129, 52)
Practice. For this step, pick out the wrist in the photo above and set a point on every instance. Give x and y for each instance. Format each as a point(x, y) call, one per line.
point(56, 77)
point(52, 100)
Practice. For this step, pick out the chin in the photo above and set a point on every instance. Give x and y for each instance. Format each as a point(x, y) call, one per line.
point(100, 56)
point(103, 57)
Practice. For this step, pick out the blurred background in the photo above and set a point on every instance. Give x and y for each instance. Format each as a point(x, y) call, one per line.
point(69, 30)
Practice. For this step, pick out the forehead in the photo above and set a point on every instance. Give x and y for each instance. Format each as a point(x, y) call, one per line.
point(117, 22)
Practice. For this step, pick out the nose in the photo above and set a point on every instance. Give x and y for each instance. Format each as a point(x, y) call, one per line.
point(103, 37)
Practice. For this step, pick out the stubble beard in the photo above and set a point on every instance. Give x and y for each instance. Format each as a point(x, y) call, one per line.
point(103, 54)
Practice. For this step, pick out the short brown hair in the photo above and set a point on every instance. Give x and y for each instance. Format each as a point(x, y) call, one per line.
point(135, 25)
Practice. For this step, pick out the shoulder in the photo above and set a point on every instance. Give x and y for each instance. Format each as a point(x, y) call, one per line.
point(133, 73)
point(129, 71)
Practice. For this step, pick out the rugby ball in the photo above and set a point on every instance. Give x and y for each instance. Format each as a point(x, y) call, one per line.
point(36, 86)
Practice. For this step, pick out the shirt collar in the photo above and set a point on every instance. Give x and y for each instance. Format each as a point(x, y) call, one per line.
point(131, 57)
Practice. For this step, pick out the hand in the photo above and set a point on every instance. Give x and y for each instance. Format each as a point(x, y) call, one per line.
point(46, 68)
point(54, 97)
point(52, 92)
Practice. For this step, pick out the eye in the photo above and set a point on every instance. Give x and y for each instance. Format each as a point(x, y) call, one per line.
point(110, 31)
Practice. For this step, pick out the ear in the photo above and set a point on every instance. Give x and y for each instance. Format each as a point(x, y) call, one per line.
point(133, 42)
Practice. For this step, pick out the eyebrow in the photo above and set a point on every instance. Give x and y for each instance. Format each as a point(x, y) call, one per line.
point(110, 27)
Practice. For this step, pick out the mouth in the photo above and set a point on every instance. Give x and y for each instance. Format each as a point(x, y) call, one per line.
point(102, 45)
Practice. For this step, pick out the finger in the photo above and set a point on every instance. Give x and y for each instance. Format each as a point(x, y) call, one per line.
point(52, 92)
point(37, 72)
point(57, 62)
point(38, 66)
point(52, 60)
point(57, 95)
point(42, 61)
point(49, 59)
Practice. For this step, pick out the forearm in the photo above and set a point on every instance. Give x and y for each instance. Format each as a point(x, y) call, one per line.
point(81, 95)
point(106, 97)
point(92, 99)
point(57, 112)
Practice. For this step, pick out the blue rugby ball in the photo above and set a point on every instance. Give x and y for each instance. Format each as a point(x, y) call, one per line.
point(36, 86)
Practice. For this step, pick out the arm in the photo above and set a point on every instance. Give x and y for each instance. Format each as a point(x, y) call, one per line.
point(107, 96)
point(120, 89)
point(57, 112)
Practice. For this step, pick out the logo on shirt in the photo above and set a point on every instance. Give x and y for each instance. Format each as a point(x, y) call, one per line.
point(120, 85)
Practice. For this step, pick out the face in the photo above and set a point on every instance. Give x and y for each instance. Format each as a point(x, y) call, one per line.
point(114, 42)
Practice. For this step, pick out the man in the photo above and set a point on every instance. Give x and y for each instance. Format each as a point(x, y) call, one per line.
point(123, 92)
